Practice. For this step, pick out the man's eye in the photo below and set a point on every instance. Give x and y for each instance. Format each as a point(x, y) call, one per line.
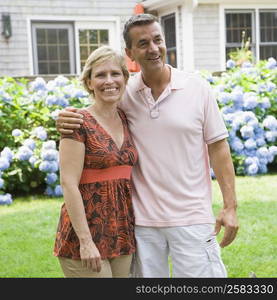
point(142, 44)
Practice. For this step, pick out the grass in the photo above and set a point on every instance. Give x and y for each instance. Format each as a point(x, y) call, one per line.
point(28, 227)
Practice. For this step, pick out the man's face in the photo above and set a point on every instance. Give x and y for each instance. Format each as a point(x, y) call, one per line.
point(148, 46)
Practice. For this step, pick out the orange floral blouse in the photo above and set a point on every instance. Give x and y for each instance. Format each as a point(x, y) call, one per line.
point(107, 203)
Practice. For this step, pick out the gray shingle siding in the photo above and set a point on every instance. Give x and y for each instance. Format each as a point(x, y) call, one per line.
point(14, 53)
point(206, 37)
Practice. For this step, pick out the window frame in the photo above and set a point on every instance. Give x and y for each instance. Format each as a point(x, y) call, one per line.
point(253, 40)
point(163, 18)
point(240, 7)
point(259, 34)
point(53, 25)
point(94, 25)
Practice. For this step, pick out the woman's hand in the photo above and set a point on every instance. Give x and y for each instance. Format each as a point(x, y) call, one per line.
point(90, 256)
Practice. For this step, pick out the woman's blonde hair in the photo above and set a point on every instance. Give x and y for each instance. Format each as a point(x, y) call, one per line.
point(99, 56)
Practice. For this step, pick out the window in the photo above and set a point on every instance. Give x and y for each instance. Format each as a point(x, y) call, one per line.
point(53, 48)
point(238, 21)
point(268, 34)
point(169, 27)
point(236, 24)
point(91, 39)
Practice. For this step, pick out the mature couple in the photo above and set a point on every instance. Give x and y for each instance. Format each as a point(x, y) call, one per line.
point(135, 168)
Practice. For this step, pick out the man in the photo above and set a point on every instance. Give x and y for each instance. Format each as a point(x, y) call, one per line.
point(178, 130)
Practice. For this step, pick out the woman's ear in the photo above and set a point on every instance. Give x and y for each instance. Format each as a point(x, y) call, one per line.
point(89, 84)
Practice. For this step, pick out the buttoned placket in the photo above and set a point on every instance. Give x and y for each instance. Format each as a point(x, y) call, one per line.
point(153, 105)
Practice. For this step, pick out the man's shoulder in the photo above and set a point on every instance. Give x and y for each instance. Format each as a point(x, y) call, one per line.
point(133, 81)
point(192, 79)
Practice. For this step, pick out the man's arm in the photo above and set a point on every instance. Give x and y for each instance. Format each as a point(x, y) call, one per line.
point(221, 162)
point(68, 120)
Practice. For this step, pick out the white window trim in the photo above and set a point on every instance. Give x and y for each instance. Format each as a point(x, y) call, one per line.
point(113, 41)
point(69, 27)
point(256, 8)
point(76, 20)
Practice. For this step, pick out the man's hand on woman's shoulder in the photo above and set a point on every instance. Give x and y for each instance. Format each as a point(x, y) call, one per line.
point(68, 119)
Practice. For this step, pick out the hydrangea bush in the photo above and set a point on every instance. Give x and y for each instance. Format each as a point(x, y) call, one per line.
point(28, 138)
point(29, 161)
point(247, 96)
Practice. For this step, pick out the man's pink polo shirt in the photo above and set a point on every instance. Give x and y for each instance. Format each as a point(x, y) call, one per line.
point(172, 183)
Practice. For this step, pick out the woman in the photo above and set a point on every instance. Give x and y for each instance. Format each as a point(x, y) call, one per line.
point(95, 235)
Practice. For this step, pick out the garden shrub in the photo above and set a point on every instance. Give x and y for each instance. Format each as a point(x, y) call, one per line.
point(247, 97)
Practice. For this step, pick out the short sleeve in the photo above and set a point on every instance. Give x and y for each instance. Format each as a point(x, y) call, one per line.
point(79, 134)
point(214, 126)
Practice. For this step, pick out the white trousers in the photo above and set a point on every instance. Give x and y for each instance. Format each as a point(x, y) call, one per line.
point(193, 250)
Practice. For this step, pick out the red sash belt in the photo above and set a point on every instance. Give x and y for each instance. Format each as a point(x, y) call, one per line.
point(116, 172)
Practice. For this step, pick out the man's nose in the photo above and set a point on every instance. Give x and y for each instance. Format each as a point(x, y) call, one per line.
point(153, 47)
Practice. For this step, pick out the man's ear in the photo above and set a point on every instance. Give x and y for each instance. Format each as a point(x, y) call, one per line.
point(129, 53)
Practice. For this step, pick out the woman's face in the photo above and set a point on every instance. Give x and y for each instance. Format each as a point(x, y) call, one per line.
point(107, 82)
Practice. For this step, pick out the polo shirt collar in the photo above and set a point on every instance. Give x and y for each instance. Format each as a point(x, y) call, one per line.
point(176, 81)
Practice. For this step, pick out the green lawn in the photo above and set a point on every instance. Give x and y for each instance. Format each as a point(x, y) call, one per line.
point(28, 226)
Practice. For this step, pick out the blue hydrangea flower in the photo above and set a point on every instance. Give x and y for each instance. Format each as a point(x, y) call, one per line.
point(224, 97)
point(49, 166)
point(40, 133)
point(250, 101)
point(78, 93)
point(263, 168)
point(260, 141)
point(270, 86)
point(5, 199)
point(270, 122)
point(5, 97)
point(252, 169)
point(62, 101)
point(32, 160)
point(50, 144)
point(49, 191)
point(51, 86)
point(271, 63)
point(30, 143)
point(58, 191)
point(250, 144)
point(237, 145)
point(55, 114)
point(273, 150)
point(265, 103)
point(38, 84)
point(51, 178)
point(262, 152)
point(230, 64)
point(49, 154)
point(51, 100)
point(270, 136)
point(7, 152)
point(17, 132)
point(4, 163)
point(24, 153)
point(61, 81)
point(246, 64)
point(247, 131)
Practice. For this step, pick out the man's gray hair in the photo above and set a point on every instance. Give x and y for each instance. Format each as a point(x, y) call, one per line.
point(136, 20)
